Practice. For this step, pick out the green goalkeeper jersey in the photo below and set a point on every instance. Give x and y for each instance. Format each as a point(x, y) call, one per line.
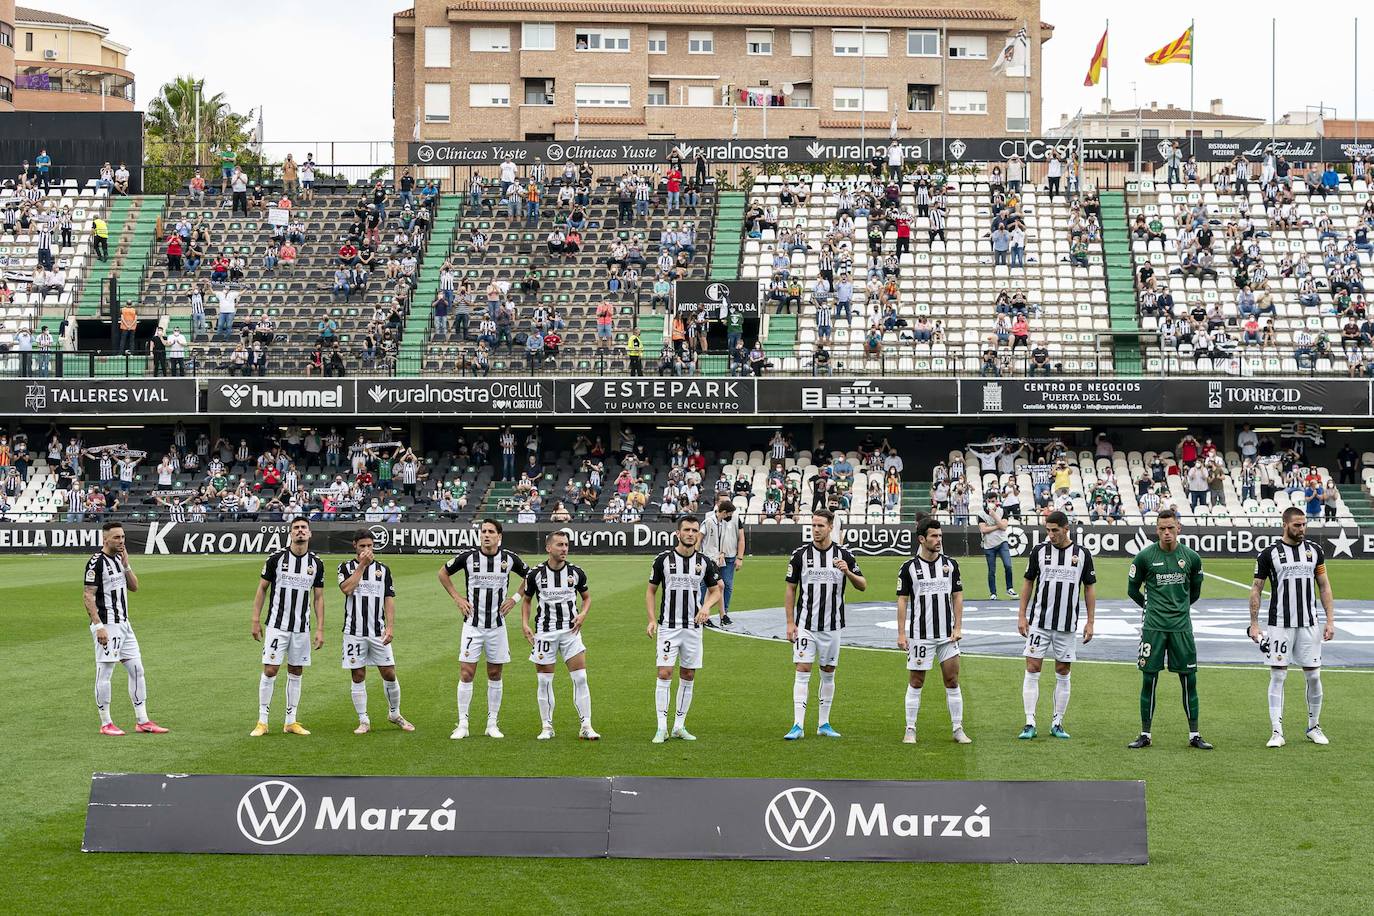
point(1172, 581)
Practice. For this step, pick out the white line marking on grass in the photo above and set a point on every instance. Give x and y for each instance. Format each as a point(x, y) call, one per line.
point(1007, 658)
point(1228, 581)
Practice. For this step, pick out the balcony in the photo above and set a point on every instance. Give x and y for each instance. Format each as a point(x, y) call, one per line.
point(57, 86)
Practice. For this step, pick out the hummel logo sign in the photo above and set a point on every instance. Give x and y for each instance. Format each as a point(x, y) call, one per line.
point(235, 394)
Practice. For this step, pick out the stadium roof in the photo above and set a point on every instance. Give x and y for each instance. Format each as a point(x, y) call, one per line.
point(29, 14)
point(725, 7)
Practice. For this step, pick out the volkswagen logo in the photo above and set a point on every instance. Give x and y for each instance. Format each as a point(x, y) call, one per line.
point(271, 812)
point(425, 153)
point(799, 819)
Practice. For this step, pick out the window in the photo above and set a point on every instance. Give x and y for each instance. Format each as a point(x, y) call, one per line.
point(856, 99)
point(436, 102)
point(1218, 133)
point(801, 42)
point(595, 39)
point(1018, 112)
point(6, 35)
point(489, 95)
point(971, 47)
point(1149, 133)
point(538, 90)
point(658, 41)
point(758, 41)
point(701, 96)
point(6, 90)
point(1125, 134)
point(701, 43)
point(598, 95)
point(847, 42)
point(965, 102)
point(658, 93)
point(28, 41)
point(437, 47)
point(801, 96)
point(537, 36)
point(489, 39)
point(920, 97)
point(922, 43)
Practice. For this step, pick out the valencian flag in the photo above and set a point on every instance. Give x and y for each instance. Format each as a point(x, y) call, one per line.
point(1098, 64)
point(1178, 51)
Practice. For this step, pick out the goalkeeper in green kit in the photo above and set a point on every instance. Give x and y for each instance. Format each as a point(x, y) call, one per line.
point(1170, 576)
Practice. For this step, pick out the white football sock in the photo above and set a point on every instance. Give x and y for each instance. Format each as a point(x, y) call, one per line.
point(545, 694)
point(801, 686)
point(1314, 697)
point(1061, 697)
point(464, 699)
point(582, 695)
point(1030, 694)
point(293, 696)
point(913, 705)
point(1276, 679)
point(954, 698)
point(138, 689)
point(494, 690)
point(103, 672)
point(661, 691)
point(359, 691)
point(684, 703)
point(393, 696)
point(826, 695)
point(265, 687)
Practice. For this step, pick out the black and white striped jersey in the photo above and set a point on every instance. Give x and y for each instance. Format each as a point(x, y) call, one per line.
point(1292, 571)
point(487, 577)
point(557, 591)
point(1059, 574)
point(105, 574)
point(930, 585)
point(365, 609)
point(293, 580)
point(680, 579)
point(820, 586)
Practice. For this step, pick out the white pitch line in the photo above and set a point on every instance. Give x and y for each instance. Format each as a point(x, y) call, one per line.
point(1241, 666)
point(1228, 581)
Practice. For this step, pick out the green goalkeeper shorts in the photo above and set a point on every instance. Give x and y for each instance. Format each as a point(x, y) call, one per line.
point(1178, 645)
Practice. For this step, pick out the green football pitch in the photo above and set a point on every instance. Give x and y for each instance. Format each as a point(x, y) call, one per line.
point(1241, 829)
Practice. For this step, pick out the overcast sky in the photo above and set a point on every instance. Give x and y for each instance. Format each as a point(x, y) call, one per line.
point(331, 79)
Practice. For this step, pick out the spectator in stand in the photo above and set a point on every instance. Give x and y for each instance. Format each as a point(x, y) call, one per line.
point(238, 185)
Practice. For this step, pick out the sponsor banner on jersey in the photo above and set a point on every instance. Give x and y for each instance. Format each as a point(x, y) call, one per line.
point(852, 820)
point(412, 396)
point(714, 397)
point(1251, 397)
point(105, 397)
point(1061, 396)
point(348, 815)
point(716, 298)
point(277, 395)
point(859, 396)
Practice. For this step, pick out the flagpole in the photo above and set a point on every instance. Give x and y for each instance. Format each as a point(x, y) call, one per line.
point(1192, 66)
point(863, 91)
point(1025, 74)
point(1273, 76)
point(1107, 33)
point(944, 87)
point(1357, 80)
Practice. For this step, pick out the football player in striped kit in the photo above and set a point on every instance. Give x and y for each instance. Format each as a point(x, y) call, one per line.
point(108, 580)
point(1295, 570)
point(484, 604)
point(685, 575)
point(295, 580)
point(1060, 578)
point(369, 619)
point(930, 623)
point(564, 601)
point(814, 605)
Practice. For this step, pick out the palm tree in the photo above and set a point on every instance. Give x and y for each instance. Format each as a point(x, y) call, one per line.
point(171, 119)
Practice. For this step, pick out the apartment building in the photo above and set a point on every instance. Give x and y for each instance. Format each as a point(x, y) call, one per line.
point(647, 69)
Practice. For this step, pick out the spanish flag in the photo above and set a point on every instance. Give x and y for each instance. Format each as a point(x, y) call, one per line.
point(1178, 51)
point(1099, 61)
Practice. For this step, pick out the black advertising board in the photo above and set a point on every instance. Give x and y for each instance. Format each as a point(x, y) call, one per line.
point(839, 397)
point(280, 396)
point(108, 396)
point(1060, 396)
point(693, 396)
point(717, 297)
point(485, 396)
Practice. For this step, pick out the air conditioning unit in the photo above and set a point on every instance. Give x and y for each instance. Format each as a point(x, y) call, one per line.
point(50, 54)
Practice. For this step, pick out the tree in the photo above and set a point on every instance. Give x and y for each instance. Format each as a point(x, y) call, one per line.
point(170, 149)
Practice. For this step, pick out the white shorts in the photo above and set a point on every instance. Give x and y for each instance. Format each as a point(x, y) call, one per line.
point(548, 647)
point(817, 646)
point(1059, 643)
point(921, 655)
point(283, 647)
point(361, 651)
point(679, 646)
point(120, 643)
point(478, 641)
point(1301, 646)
